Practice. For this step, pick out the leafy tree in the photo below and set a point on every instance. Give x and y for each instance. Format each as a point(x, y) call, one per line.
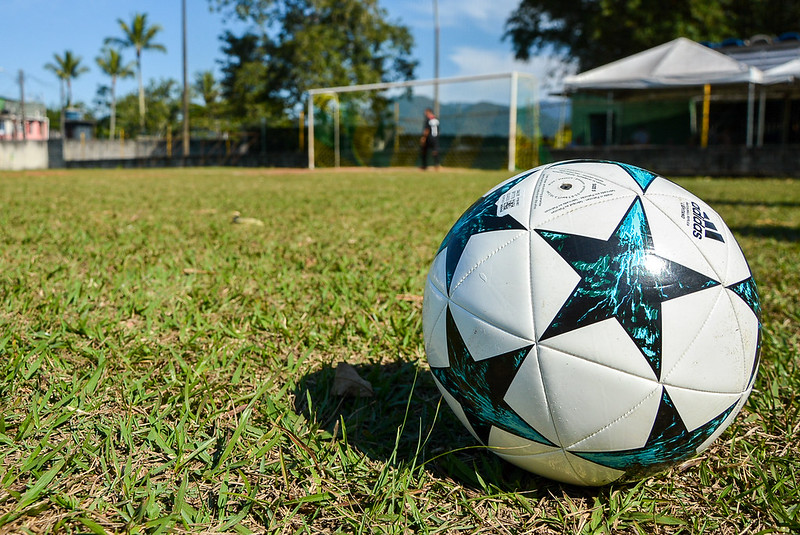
point(165, 106)
point(127, 114)
point(139, 36)
point(771, 17)
point(341, 42)
point(245, 78)
point(309, 43)
point(261, 12)
point(207, 87)
point(595, 32)
point(207, 115)
point(110, 62)
point(66, 68)
point(55, 117)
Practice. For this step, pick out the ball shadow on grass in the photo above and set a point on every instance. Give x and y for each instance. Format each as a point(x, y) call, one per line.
point(406, 422)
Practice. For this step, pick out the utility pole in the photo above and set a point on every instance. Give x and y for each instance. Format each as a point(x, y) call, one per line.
point(185, 89)
point(22, 103)
point(62, 117)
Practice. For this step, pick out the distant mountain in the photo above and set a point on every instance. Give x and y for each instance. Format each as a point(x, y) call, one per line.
point(480, 118)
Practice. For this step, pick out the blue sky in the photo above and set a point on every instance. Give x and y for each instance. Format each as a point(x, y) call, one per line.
point(33, 30)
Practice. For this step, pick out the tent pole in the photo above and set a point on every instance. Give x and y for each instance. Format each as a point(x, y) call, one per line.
point(562, 121)
point(336, 130)
point(310, 131)
point(706, 110)
point(762, 109)
point(750, 113)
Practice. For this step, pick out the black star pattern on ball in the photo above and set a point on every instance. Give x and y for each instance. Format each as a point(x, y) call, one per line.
point(480, 217)
point(747, 290)
point(669, 442)
point(623, 278)
point(643, 177)
point(480, 386)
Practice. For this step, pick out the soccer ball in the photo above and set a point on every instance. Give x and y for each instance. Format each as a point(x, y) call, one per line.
point(591, 321)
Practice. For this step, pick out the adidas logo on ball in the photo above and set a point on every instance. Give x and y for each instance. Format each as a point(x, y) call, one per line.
point(703, 226)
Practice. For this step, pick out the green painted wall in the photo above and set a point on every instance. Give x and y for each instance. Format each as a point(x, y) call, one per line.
point(660, 122)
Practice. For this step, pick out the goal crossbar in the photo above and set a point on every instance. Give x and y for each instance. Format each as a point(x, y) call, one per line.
point(514, 76)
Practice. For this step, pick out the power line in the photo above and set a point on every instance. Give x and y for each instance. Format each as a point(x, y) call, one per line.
point(39, 81)
point(9, 85)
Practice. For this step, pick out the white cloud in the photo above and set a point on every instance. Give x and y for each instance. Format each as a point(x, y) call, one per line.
point(470, 60)
point(488, 16)
point(547, 70)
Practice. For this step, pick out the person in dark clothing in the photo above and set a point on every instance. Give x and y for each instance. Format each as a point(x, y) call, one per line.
point(429, 142)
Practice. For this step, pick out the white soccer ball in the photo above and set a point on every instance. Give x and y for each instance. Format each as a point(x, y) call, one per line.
point(590, 321)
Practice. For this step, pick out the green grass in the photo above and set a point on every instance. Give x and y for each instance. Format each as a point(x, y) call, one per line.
point(162, 369)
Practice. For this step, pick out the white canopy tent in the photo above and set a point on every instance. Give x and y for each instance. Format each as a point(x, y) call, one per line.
point(785, 73)
point(680, 63)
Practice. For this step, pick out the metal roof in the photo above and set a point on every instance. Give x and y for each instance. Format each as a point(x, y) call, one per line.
point(764, 56)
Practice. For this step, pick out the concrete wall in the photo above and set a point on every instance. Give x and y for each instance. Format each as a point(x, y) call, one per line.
point(16, 155)
point(153, 153)
point(274, 159)
point(103, 149)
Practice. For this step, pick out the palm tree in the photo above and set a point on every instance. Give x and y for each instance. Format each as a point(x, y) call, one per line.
point(66, 68)
point(111, 64)
point(207, 87)
point(140, 36)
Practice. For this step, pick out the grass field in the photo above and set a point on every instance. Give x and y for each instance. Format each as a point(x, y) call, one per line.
point(162, 369)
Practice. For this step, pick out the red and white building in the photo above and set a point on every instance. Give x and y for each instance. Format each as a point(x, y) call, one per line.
point(32, 125)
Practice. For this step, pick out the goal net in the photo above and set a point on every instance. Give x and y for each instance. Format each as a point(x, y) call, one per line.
point(488, 121)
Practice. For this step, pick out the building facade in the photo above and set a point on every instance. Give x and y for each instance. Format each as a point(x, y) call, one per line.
point(30, 123)
point(746, 91)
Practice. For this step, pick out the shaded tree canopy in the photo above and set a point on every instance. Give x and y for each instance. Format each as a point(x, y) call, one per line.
point(165, 102)
point(207, 87)
point(297, 45)
point(244, 82)
point(595, 32)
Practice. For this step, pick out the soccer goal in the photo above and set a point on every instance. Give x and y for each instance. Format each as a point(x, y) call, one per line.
point(487, 121)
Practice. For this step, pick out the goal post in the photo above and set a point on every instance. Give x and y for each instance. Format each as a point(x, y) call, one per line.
point(487, 120)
